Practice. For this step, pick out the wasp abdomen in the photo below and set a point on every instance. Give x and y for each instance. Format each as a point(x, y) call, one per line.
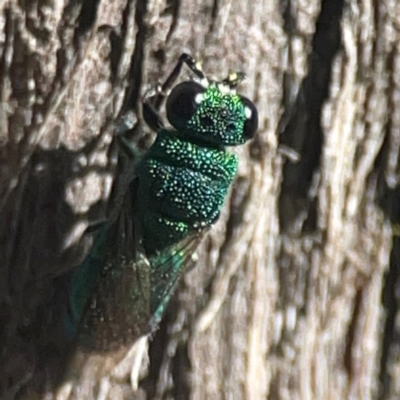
point(182, 187)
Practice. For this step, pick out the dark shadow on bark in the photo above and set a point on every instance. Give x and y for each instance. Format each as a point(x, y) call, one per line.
point(301, 126)
point(37, 222)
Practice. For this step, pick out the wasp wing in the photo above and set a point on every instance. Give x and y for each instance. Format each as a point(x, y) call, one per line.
point(110, 292)
point(166, 269)
point(118, 294)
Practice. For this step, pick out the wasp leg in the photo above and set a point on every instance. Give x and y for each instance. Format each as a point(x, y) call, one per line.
point(96, 226)
point(152, 118)
point(131, 151)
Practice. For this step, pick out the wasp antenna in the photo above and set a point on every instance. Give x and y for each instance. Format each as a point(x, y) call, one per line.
point(194, 66)
point(234, 78)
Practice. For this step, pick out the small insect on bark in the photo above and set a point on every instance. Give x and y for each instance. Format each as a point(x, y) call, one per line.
point(121, 290)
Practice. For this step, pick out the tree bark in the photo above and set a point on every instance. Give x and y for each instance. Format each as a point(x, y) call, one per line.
point(294, 295)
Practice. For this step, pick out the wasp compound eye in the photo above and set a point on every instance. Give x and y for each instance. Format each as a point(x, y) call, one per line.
point(251, 123)
point(183, 102)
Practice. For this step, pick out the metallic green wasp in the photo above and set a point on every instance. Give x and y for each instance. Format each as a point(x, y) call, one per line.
point(178, 189)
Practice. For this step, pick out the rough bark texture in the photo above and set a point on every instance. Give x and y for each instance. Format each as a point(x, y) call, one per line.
point(295, 292)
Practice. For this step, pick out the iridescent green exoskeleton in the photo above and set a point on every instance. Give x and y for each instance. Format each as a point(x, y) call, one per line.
point(177, 192)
